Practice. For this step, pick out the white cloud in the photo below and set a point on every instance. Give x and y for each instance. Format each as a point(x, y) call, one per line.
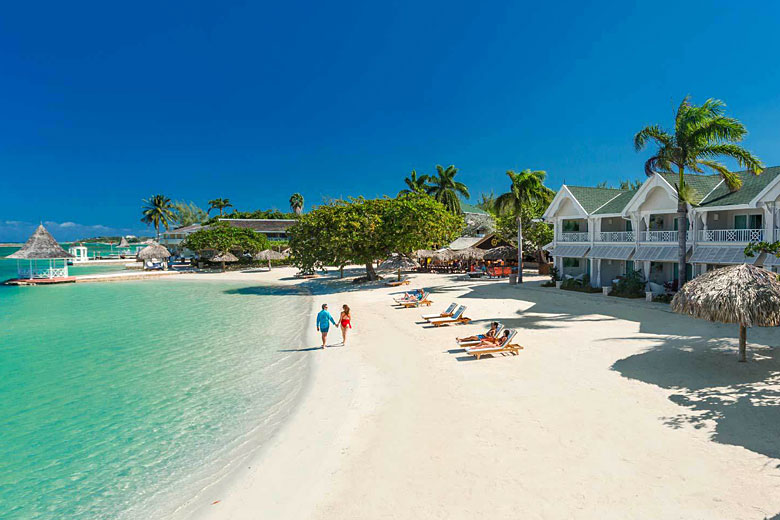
point(19, 231)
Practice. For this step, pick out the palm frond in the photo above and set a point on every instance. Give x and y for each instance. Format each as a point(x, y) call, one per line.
point(654, 133)
point(743, 157)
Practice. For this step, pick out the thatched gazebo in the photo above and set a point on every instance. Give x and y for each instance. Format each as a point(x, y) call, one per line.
point(268, 255)
point(43, 254)
point(123, 244)
point(743, 294)
point(501, 253)
point(153, 252)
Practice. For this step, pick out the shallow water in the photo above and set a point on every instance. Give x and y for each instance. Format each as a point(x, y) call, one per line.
point(120, 400)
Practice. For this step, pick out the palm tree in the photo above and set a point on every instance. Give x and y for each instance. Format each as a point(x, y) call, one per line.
point(219, 204)
point(526, 191)
point(158, 210)
point(701, 135)
point(444, 188)
point(415, 184)
point(296, 203)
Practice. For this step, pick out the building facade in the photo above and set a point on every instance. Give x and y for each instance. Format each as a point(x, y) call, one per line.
point(605, 233)
point(274, 229)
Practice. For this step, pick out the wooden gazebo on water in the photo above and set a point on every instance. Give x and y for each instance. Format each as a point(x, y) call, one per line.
point(41, 260)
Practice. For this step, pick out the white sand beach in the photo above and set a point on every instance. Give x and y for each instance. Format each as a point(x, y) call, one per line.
point(613, 409)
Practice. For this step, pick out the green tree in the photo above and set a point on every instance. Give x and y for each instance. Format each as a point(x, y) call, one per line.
point(361, 231)
point(701, 135)
point(296, 203)
point(444, 188)
point(487, 202)
point(415, 183)
point(219, 205)
point(526, 191)
point(223, 238)
point(158, 211)
point(188, 213)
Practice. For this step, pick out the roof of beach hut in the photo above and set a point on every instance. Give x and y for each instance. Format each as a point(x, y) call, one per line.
point(153, 251)
point(501, 253)
point(470, 253)
point(123, 243)
point(443, 255)
point(40, 245)
point(423, 253)
point(397, 261)
point(224, 257)
point(743, 294)
point(269, 254)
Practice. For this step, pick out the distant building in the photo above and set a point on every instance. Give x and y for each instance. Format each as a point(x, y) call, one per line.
point(478, 221)
point(274, 229)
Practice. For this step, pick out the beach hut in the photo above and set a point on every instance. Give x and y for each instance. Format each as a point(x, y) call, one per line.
point(505, 253)
point(152, 254)
point(742, 294)
point(268, 255)
point(41, 258)
point(223, 258)
point(470, 254)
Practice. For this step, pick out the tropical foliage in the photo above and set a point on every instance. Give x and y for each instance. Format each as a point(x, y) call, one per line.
point(188, 213)
point(701, 135)
point(296, 203)
point(223, 238)
point(444, 188)
point(362, 230)
point(415, 184)
point(623, 184)
point(157, 211)
point(219, 205)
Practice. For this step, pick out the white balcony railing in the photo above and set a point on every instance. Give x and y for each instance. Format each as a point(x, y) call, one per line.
point(42, 272)
point(574, 237)
point(731, 235)
point(616, 236)
point(661, 236)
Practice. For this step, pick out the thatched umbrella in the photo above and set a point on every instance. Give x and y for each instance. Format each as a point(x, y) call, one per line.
point(398, 262)
point(501, 253)
point(443, 255)
point(153, 251)
point(40, 246)
point(269, 254)
point(743, 294)
point(222, 258)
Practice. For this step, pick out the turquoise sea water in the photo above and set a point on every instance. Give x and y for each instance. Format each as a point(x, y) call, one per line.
point(122, 399)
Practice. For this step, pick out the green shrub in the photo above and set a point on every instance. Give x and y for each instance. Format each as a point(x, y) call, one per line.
point(582, 285)
point(632, 285)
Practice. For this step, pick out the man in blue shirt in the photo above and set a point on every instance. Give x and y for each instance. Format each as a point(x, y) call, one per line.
point(324, 319)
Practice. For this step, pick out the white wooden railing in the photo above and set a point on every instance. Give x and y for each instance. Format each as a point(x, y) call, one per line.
point(42, 272)
point(731, 235)
point(579, 236)
point(616, 236)
point(660, 236)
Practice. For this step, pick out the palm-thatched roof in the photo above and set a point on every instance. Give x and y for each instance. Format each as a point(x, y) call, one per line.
point(443, 255)
point(269, 254)
point(224, 257)
point(424, 253)
point(40, 245)
point(470, 253)
point(743, 294)
point(397, 261)
point(153, 251)
point(123, 243)
point(501, 253)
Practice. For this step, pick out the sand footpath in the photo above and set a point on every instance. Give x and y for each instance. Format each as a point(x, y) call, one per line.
point(614, 409)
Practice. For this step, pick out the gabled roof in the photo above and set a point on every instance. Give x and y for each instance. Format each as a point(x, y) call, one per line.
point(617, 204)
point(752, 185)
point(592, 199)
point(470, 208)
point(40, 245)
point(700, 185)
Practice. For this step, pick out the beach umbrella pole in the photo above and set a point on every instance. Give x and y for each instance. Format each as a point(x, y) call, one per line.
point(742, 343)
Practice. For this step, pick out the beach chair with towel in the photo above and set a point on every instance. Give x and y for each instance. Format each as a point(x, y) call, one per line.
point(473, 343)
point(423, 300)
point(413, 295)
point(446, 314)
point(456, 318)
point(507, 348)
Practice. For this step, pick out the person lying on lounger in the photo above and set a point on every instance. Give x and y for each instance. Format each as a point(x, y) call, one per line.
point(491, 333)
point(495, 342)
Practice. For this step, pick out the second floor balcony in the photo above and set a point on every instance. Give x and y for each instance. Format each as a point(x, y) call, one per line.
point(732, 235)
point(616, 236)
point(661, 236)
point(574, 236)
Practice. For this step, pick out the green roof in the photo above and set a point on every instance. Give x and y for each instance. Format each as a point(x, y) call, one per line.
point(700, 185)
point(617, 204)
point(593, 198)
point(751, 187)
point(469, 208)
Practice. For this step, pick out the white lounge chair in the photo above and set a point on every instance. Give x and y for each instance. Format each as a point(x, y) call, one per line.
point(446, 314)
point(455, 318)
point(507, 348)
point(414, 295)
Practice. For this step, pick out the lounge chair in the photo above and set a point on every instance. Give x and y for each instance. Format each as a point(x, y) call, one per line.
point(413, 295)
point(397, 283)
point(507, 348)
point(446, 314)
point(455, 318)
point(474, 343)
point(416, 303)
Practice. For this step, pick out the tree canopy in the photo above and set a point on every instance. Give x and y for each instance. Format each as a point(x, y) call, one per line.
point(188, 213)
point(220, 205)
point(444, 188)
point(223, 238)
point(158, 211)
point(415, 183)
point(296, 203)
point(362, 230)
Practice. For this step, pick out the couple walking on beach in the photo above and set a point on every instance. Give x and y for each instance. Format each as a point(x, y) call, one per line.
point(324, 319)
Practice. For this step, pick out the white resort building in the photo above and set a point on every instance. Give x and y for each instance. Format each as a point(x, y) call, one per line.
point(273, 229)
point(605, 232)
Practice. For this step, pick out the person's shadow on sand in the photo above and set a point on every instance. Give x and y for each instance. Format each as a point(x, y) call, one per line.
point(309, 349)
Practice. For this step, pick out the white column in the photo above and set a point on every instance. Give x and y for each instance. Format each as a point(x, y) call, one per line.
point(595, 278)
point(646, 269)
point(769, 222)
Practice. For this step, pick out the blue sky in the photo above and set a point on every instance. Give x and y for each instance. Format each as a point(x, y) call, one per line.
point(105, 104)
